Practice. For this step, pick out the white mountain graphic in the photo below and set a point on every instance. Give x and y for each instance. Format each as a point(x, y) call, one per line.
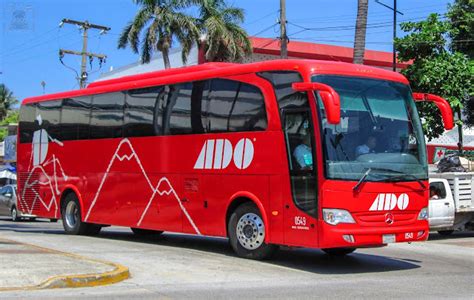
point(33, 183)
point(126, 153)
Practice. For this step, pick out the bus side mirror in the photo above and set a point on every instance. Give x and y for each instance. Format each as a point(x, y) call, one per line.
point(329, 97)
point(442, 104)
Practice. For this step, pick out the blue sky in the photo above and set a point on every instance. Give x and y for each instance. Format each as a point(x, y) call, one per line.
point(30, 36)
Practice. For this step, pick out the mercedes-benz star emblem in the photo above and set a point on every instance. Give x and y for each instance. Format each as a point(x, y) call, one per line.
point(389, 219)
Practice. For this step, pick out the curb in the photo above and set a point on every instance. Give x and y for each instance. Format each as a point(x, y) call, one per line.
point(119, 273)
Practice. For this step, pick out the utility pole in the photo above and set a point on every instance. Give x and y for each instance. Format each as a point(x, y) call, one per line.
point(283, 35)
point(85, 26)
point(395, 12)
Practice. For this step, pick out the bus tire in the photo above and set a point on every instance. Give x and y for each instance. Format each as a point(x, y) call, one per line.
point(14, 214)
point(145, 232)
point(247, 233)
point(338, 251)
point(72, 219)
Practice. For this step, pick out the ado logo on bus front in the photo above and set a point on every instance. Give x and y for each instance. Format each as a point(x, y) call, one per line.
point(217, 154)
point(389, 201)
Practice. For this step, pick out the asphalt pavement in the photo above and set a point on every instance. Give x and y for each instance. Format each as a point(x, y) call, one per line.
point(182, 266)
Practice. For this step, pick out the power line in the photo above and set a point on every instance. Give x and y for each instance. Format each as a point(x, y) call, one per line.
point(262, 18)
point(84, 53)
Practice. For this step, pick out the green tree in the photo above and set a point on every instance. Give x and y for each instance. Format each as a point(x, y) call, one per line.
point(361, 28)
point(435, 69)
point(160, 22)
point(461, 15)
point(12, 117)
point(7, 100)
point(222, 37)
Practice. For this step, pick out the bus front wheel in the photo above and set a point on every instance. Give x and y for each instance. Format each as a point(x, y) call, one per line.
point(71, 217)
point(247, 233)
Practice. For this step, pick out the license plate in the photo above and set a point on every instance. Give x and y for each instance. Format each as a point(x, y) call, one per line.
point(388, 238)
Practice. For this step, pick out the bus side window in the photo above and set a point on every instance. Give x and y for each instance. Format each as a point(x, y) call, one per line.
point(50, 112)
point(107, 115)
point(248, 112)
point(218, 109)
point(183, 112)
point(75, 118)
point(27, 122)
point(140, 117)
point(235, 107)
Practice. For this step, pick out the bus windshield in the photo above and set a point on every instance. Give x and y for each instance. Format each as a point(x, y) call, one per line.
point(379, 130)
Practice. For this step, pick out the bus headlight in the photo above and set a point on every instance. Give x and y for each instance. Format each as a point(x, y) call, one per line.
point(336, 216)
point(423, 215)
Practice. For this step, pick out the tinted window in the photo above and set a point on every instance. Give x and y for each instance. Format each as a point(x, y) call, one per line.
point(234, 106)
point(141, 119)
point(49, 113)
point(107, 116)
point(286, 96)
point(248, 112)
point(178, 110)
point(218, 108)
point(27, 122)
point(75, 118)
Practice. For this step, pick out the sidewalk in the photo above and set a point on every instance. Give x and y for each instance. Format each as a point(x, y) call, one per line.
point(25, 267)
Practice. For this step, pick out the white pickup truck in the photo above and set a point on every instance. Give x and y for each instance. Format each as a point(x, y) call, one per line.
point(453, 206)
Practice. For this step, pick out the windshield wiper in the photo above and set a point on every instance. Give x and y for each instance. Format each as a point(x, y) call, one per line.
point(402, 175)
point(362, 179)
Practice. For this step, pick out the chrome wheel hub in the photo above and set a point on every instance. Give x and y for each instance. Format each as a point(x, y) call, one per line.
point(250, 231)
point(72, 214)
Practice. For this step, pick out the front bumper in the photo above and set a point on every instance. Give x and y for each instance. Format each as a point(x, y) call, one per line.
point(338, 236)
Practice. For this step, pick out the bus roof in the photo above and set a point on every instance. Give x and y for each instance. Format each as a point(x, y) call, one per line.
point(210, 70)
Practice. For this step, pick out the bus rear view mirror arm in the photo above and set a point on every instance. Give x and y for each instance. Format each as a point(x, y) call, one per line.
point(329, 97)
point(442, 104)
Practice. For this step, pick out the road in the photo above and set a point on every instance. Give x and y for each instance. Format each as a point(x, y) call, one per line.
point(179, 266)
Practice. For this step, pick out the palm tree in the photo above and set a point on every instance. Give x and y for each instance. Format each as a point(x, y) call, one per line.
point(222, 37)
point(361, 27)
point(161, 21)
point(6, 100)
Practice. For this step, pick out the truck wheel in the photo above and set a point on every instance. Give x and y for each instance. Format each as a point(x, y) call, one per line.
point(247, 233)
point(72, 220)
point(338, 251)
point(446, 232)
point(145, 232)
point(14, 214)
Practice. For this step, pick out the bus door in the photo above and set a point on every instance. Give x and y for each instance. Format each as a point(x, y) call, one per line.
point(301, 207)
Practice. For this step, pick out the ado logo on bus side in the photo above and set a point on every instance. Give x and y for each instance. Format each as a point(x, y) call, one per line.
point(389, 201)
point(216, 154)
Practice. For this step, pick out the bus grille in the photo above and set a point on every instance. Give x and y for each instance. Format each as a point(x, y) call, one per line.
point(26, 198)
point(378, 218)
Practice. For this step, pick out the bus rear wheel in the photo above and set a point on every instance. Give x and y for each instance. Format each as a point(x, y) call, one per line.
point(247, 233)
point(338, 251)
point(145, 232)
point(72, 220)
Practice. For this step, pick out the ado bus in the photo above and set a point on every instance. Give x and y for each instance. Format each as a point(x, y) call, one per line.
point(287, 152)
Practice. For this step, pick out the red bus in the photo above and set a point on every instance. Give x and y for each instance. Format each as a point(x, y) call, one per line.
point(287, 152)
